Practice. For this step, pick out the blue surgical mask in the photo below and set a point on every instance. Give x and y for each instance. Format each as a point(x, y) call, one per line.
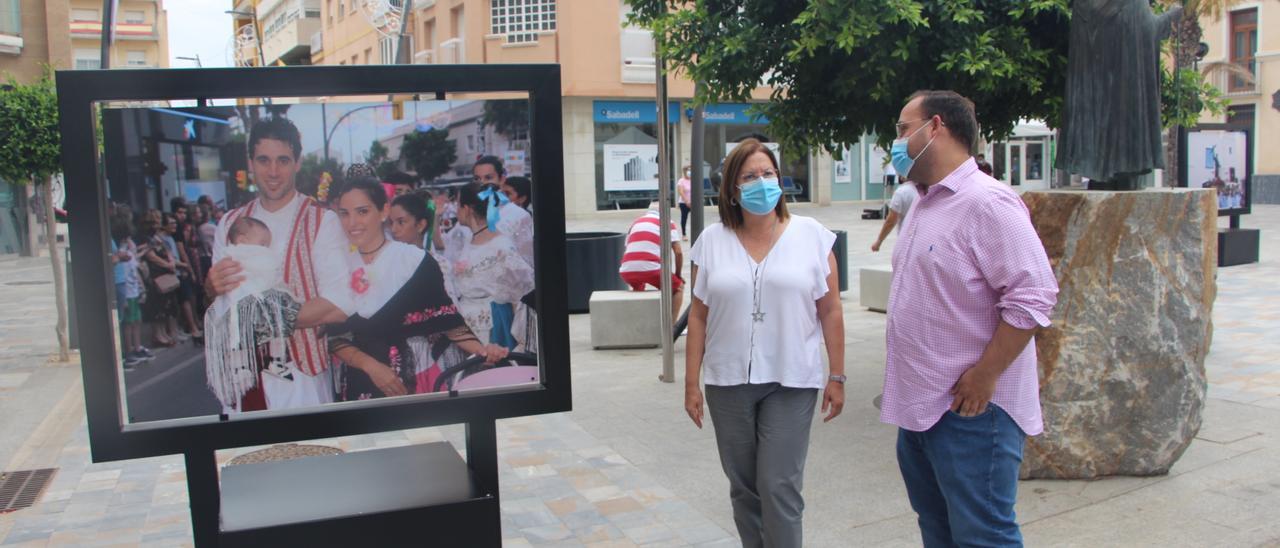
point(761, 195)
point(901, 159)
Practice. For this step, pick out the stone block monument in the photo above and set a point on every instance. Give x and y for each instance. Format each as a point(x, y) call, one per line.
point(1122, 378)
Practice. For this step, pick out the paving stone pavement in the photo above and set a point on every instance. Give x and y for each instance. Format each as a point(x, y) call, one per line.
point(627, 468)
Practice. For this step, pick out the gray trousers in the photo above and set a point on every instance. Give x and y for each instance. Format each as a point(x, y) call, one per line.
point(762, 431)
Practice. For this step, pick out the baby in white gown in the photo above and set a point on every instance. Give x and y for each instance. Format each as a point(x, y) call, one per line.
point(248, 328)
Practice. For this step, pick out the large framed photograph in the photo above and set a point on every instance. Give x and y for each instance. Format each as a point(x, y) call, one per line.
point(267, 255)
point(1219, 156)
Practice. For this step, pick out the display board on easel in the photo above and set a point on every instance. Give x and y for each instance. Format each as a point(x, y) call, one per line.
point(282, 140)
point(1220, 157)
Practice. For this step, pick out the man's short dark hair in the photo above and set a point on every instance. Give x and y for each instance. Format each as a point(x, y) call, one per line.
point(955, 110)
point(494, 161)
point(399, 178)
point(279, 129)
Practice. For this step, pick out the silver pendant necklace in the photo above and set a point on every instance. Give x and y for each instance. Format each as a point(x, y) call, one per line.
point(757, 276)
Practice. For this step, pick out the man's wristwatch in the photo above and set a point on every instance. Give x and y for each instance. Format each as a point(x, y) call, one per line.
point(838, 378)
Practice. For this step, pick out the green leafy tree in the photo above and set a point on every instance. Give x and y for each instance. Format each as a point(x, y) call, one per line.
point(31, 153)
point(429, 153)
point(379, 156)
point(1185, 97)
point(509, 117)
point(309, 173)
point(840, 69)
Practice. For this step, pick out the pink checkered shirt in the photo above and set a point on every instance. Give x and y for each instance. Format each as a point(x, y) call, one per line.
point(967, 258)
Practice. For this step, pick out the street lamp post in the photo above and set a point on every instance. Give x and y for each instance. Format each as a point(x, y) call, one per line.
point(328, 132)
point(196, 59)
point(403, 55)
point(108, 32)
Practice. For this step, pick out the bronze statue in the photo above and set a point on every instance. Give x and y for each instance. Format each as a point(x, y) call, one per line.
point(1111, 119)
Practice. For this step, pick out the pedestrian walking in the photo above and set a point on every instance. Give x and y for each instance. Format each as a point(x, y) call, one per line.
point(765, 298)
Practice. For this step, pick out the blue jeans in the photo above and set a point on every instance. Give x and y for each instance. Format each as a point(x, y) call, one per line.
point(962, 478)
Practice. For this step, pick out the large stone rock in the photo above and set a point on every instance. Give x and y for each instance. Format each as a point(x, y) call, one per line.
point(1122, 379)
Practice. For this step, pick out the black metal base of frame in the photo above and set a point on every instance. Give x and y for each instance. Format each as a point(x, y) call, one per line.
point(402, 496)
point(1238, 246)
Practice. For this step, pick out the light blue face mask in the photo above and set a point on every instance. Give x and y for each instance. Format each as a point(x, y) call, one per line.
point(901, 159)
point(761, 195)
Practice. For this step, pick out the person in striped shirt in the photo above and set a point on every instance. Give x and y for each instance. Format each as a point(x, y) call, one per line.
point(641, 263)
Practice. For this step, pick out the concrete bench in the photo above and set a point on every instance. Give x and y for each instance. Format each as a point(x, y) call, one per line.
point(626, 319)
point(873, 287)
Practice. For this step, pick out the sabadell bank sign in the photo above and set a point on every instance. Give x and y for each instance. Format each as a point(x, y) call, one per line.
point(634, 112)
point(641, 112)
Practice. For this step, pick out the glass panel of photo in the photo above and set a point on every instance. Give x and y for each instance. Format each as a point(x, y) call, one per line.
point(302, 252)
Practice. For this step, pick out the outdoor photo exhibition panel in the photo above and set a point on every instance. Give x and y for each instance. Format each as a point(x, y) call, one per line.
point(343, 324)
point(1219, 156)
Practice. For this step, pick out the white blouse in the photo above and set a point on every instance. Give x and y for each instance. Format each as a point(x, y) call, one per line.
point(492, 272)
point(383, 277)
point(786, 347)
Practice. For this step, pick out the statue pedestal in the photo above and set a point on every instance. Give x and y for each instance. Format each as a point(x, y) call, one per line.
point(1122, 378)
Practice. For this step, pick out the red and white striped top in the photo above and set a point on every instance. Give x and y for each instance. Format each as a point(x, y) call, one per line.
point(644, 244)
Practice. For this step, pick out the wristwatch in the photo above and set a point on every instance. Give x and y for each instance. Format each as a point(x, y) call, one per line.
point(838, 378)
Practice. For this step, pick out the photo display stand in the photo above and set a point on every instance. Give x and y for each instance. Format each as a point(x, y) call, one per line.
point(128, 143)
point(1220, 156)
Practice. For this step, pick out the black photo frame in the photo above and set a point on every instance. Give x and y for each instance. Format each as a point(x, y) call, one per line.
point(1185, 161)
point(112, 438)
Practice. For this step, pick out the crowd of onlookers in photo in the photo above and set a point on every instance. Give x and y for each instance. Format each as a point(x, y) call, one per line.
point(159, 262)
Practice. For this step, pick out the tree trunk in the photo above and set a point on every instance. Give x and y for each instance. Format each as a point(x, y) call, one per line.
point(59, 278)
point(28, 243)
point(1187, 35)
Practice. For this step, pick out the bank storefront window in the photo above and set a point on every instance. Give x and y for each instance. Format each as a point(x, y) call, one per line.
point(626, 151)
point(729, 124)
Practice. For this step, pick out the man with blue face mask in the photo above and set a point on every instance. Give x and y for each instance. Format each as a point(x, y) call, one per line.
point(971, 285)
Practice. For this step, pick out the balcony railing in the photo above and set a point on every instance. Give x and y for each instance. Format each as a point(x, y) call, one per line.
point(124, 31)
point(1233, 78)
point(452, 51)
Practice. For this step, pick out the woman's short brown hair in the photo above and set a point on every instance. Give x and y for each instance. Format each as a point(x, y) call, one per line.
point(730, 209)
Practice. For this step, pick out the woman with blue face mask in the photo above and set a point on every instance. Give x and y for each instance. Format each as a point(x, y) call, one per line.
point(765, 297)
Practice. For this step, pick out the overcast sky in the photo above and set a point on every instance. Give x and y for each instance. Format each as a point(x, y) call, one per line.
point(198, 28)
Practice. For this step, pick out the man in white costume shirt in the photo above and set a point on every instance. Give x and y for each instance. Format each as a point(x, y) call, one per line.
point(310, 244)
point(513, 220)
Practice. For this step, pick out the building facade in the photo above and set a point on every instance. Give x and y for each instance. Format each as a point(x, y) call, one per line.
point(287, 29)
point(67, 34)
point(1244, 63)
point(140, 40)
point(33, 33)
